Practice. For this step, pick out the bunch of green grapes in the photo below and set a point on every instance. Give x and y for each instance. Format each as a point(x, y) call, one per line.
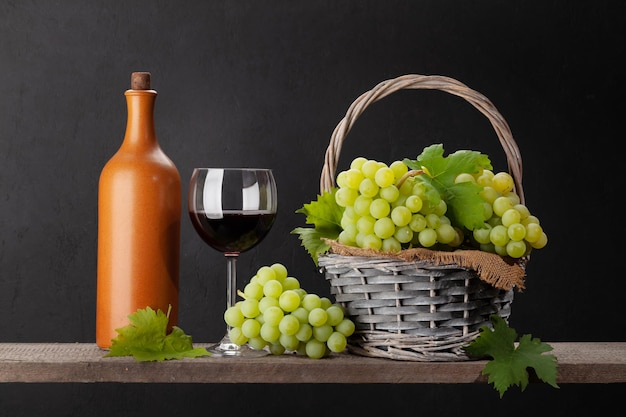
point(510, 229)
point(386, 210)
point(277, 314)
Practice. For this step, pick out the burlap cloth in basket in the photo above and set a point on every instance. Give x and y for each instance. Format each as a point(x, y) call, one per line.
point(500, 272)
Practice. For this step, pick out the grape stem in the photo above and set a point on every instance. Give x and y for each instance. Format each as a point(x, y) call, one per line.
point(411, 173)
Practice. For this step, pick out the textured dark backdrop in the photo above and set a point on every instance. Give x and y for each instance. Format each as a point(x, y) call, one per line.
point(264, 84)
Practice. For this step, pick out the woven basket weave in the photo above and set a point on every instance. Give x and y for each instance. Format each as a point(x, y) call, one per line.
point(417, 310)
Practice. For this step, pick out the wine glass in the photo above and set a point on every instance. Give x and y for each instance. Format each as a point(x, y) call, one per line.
point(232, 209)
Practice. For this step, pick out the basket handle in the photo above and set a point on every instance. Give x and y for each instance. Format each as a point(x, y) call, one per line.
point(428, 82)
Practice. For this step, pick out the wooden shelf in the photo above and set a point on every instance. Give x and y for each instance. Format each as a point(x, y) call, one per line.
point(593, 363)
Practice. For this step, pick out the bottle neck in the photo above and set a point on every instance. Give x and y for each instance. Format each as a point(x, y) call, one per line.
point(140, 133)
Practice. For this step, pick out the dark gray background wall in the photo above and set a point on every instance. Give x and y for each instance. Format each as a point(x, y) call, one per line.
point(246, 83)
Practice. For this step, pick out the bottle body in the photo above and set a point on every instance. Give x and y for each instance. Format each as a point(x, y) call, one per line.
point(139, 210)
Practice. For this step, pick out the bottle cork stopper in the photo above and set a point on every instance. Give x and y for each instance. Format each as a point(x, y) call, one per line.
point(140, 81)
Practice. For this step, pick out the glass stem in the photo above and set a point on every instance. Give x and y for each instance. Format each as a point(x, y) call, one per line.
point(231, 284)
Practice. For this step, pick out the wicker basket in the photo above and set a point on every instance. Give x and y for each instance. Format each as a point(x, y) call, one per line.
point(420, 309)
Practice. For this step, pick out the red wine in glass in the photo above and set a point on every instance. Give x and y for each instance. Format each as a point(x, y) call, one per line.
point(232, 210)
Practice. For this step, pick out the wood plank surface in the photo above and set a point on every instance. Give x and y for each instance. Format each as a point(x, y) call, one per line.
point(586, 362)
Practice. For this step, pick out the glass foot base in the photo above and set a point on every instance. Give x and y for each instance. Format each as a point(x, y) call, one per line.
point(227, 348)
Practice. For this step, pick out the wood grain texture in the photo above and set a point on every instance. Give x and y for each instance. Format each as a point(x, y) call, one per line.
point(579, 363)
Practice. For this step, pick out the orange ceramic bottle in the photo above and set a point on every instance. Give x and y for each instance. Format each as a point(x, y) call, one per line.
point(139, 209)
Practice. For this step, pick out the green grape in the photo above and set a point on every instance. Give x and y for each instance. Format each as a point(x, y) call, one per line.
point(419, 190)
point(414, 203)
point(250, 308)
point(311, 301)
point(266, 302)
point(523, 211)
point(401, 216)
point(264, 274)
point(481, 235)
point(251, 328)
point(302, 314)
point(362, 205)
point(291, 283)
point(350, 214)
point(380, 208)
point(305, 332)
point(494, 221)
point(517, 231)
point(257, 343)
point(236, 336)
point(502, 204)
point(272, 288)
point(315, 349)
point(335, 314)
point(530, 219)
point(406, 188)
point(384, 228)
point(485, 178)
point(289, 300)
point(487, 210)
point(253, 290)
point(233, 316)
point(390, 193)
point(432, 221)
point(541, 242)
point(503, 182)
point(276, 348)
point(458, 238)
point(399, 168)
point(445, 233)
point(345, 197)
point(366, 224)
point(427, 237)
point(337, 342)
point(533, 232)
point(341, 179)
point(368, 188)
point(325, 303)
point(418, 222)
point(346, 327)
point(280, 270)
point(273, 315)
point(371, 241)
point(289, 325)
point(384, 177)
point(500, 250)
point(516, 248)
point(323, 332)
point(499, 235)
point(318, 317)
point(445, 220)
point(353, 178)
point(357, 162)
point(289, 341)
point(359, 239)
point(369, 168)
point(464, 177)
point(515, 199)
point(489, 194)
point(391, 244)
point(441, 208)
point(269, 333)
point(403, 234)
point(348, 236)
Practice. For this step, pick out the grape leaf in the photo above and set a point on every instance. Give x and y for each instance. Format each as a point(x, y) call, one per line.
point(465, 206)
point(146, 339)
point(509, 363)
point(325, 215)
